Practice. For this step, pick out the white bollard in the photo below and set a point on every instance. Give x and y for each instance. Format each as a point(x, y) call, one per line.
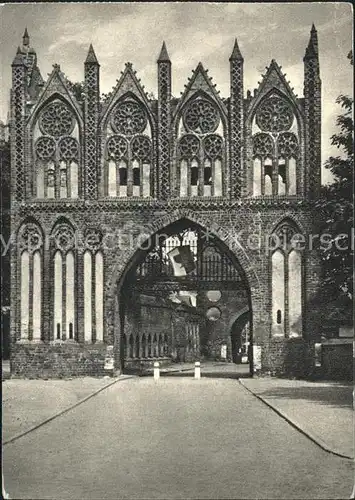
point(197, 370)
point(156, 370)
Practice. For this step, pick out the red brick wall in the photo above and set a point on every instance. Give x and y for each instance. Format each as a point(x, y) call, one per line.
point(223, 222)
point(42, 360)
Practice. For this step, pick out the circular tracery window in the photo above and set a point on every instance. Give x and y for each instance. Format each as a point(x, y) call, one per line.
point(45, 148)
point(263, 145)
point(64, 237)
point(274, 115)
point(141, 148)
point(68, 149)
point(213, 145)
point(116, 147)
point(30, 238)
point(56, 120)
point(189, 146)
point(287, 145)
point(201, 117)
point(129, 118)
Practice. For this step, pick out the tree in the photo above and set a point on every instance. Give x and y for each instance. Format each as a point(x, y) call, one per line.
point(336, 205)
point(77, 88)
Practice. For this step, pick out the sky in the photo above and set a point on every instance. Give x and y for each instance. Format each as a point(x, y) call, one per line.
point(193, 31)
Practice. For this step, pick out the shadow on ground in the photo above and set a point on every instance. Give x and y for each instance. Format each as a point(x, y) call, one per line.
point(204, 375)
point(333, 394)
point(208, 370)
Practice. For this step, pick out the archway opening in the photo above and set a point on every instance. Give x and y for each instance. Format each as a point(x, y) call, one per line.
point(177, 299)
point(240, 339)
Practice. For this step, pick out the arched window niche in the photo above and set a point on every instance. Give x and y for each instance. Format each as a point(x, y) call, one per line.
point(30, 245)
point(200, 151)
point(56, 152)
point(128, 150)
point(93, 287)
point(286, 282)
point(276, 152)
point(64, 290)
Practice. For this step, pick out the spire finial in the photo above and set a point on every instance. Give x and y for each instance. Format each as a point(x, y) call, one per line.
point(164, 56)
point(91, 57)
point(26, 38)
point(236, 54)
point(312, 49)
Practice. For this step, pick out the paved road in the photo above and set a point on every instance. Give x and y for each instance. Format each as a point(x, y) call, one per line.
point(176, 439)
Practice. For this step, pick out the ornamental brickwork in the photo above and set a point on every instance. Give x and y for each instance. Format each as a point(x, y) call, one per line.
point(91, 171)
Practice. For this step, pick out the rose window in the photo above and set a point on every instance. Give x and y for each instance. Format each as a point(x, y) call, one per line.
point(141, 148)
point(263, 145)
point(274, 115)
point(45, 148)
point(189, 146)
point(31, 238)
point(93, 239)
point(56, 120)
point(68, 149)
point(129, 118)
point(64, 237)
point(116, 147)
point(201, 117)
point(213, 145)
point(287, 145)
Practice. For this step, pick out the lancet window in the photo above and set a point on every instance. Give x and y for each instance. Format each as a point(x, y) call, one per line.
point(275, 149)
point(31, 279)
point(200, 151)
point(93, 277)
point(57, 153)
point(64, 283)
point(286, 270)
point(128, 152)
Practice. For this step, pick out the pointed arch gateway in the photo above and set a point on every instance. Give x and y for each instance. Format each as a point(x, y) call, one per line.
point(176, 297)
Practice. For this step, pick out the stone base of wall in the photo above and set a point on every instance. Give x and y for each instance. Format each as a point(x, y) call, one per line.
point(143, 364)
point(279, 357)
point(57, 360)
point(338, 362)
point(292, 357)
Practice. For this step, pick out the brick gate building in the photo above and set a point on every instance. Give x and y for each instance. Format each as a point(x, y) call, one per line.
point(105, 188)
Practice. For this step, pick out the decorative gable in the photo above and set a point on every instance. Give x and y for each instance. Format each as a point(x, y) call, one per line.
point(199, 83)
point(273, 80)
point(56, 85)
point(127, 84)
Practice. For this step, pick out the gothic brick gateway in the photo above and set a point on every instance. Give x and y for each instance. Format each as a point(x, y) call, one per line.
point(93, 177)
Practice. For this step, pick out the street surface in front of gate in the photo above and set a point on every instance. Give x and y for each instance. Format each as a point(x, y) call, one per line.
point(176, 438)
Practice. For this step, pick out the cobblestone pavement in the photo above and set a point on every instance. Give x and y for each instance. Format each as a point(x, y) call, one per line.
point(177, 438)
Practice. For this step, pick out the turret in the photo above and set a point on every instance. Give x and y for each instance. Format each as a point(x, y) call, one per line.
point(18, 110)
point(164, 99)
point(236, 122)
point(312, 106)
point(91, 120)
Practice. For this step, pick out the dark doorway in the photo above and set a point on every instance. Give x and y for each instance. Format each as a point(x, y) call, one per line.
point(241, 339)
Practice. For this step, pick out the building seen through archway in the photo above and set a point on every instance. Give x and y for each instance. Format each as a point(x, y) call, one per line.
point(178, 302)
